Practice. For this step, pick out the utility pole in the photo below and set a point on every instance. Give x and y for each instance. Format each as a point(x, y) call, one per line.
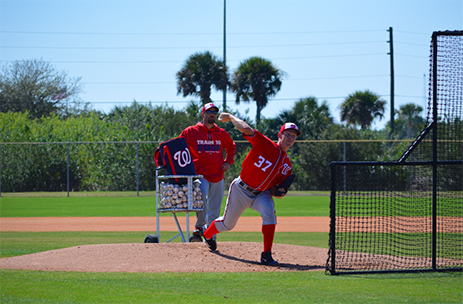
point(391, 54)
point(224, 51)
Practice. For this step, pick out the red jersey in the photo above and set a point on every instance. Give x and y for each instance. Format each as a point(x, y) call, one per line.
point(208, 146)
point(266, 165)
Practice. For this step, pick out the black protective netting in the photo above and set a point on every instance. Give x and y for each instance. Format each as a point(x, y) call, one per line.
point(383, 219)
point(408, 215)
point(449, 220)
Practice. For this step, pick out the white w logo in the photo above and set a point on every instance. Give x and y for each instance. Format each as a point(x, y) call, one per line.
point(286, 168)
point(183, 158)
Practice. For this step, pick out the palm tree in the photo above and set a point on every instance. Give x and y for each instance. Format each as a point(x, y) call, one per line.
point(311, 118)
point(410, 114)
point(201, 72)
point(361, 108)
point(256, 79)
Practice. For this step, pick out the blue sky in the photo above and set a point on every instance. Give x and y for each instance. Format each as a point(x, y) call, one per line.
point(131, 50)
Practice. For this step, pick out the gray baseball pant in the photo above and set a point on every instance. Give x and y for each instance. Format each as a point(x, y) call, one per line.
point(238, 200)
point(212, 197)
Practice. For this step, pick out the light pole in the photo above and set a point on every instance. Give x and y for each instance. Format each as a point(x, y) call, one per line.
point(225, 51)
point(391, 54)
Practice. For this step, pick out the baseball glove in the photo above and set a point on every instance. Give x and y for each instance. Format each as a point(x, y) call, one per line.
point(282, 188)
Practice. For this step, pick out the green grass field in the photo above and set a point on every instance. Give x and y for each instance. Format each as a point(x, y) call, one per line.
point(18, 206)
point(22, 286)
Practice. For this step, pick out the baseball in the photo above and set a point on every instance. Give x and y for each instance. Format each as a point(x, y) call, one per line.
point(170, 186)
point(184, 198)
point(174, 196)
point(169, 198)
point(168, 205)
point(176, 188)
point(185, 188)
point(180, 193)
point(170, 192)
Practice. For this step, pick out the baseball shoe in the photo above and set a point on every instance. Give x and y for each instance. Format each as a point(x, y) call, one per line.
point(199, 231)
point(195, 238)
point(266, 259)
point(211, 243)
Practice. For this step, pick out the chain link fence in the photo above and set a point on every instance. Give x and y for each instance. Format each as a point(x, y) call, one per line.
point(129, 165)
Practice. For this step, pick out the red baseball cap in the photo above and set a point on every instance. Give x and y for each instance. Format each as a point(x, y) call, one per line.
point(208, 106)
point(289, 126)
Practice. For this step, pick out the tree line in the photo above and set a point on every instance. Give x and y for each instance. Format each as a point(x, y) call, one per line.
point(38, 104)
point(94, 166)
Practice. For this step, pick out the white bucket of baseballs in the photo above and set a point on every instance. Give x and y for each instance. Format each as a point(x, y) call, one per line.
point(175, 197)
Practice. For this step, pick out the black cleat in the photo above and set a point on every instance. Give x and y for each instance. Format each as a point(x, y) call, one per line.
point(195, 238)
point(266, 259)
point(199, 231)
point(211, 243)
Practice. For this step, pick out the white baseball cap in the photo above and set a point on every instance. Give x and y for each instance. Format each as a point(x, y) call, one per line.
point(290, 126)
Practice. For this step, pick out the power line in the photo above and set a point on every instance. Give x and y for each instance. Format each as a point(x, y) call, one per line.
point(418, 44)
point(110, 62)
point(340, 77)
point(272, 100)
point(295, 79)
point(185, 34)
point(426, 34)
point(180, 61)
point(289, 79)
point(182, 47)
point(406, 55)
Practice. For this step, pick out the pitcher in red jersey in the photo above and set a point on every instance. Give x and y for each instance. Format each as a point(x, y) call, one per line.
point(264, 168)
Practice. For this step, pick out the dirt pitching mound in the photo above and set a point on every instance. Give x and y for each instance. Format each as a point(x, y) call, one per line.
point(170, 257)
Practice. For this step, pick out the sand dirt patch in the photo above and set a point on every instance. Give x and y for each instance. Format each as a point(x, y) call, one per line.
point(164, 257)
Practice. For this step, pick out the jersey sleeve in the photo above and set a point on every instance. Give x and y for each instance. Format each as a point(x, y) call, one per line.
point(254, 139)
point(230, 149)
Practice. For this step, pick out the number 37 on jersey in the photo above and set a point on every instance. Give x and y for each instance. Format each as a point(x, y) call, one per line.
point(264, 164)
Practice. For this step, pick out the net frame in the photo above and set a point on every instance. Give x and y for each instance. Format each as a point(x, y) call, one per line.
point(368, 213)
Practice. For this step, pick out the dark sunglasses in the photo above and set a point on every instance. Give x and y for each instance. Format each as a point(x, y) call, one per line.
point(211, 112)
